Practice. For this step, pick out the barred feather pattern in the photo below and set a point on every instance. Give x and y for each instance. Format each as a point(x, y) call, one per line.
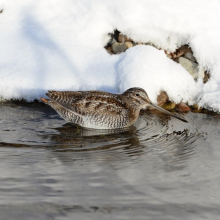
point(97, 109)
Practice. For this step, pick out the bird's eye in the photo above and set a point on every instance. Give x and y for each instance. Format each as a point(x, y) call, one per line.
point(137, 94)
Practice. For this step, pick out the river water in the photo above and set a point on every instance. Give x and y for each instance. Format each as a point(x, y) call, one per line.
point(160, 168)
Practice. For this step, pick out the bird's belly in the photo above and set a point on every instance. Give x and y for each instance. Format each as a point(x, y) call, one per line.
point(96, 120)
point(102, 122)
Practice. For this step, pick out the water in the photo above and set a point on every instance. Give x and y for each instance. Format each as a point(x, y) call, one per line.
point(160, 168)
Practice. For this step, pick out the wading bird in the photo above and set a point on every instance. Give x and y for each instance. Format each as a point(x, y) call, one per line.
point(102, 110)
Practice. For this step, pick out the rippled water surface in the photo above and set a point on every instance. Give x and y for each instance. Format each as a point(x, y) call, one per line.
point(160, 168)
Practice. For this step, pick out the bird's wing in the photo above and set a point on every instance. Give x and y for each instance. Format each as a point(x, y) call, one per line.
point(89, 103)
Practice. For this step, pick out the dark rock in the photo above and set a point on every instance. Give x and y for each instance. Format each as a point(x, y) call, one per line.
point(108, 48)
point(206, 77)
point(118, 47)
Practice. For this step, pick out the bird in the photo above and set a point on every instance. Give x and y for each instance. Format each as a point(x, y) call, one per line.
point(102, 110)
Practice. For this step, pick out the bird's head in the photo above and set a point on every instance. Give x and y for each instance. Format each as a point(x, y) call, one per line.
point(138, 99)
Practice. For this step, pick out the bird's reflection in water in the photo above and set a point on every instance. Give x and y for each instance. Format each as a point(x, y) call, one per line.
point(74, 138)
point(154, 136)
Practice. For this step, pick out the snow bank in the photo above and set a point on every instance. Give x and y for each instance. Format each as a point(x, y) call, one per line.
point(151, 69)
point(58, 45)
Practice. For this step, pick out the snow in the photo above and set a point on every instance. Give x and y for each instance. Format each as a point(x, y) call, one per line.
point(58, 45)
point(145, 66)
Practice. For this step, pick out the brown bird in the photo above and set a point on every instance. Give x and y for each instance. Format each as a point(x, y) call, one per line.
point(101, 110)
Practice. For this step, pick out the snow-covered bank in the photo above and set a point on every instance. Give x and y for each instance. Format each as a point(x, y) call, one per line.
point(59, 45)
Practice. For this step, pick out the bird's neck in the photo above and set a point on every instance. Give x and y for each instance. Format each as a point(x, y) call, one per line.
point(133, 115)
point(133, 109)
point(129, 104)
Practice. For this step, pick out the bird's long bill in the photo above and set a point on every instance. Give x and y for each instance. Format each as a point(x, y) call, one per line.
point(167, 112)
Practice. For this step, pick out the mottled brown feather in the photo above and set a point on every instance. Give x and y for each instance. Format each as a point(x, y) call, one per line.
point(89, 102)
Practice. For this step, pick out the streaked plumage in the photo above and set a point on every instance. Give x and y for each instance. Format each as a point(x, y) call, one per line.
point(101, 110)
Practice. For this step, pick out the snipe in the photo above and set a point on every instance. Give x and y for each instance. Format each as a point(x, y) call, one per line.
point(101, 110)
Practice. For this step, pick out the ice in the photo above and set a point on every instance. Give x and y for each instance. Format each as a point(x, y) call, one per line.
point(60, 45)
